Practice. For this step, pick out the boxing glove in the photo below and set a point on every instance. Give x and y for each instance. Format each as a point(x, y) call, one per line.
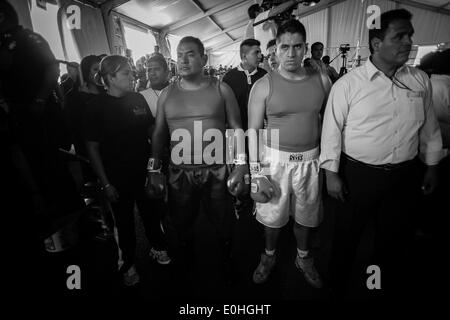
point(155, 185)
point(239, 180)
point(262, 190)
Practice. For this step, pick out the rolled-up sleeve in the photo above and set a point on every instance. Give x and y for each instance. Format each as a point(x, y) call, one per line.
point(334, 120)
point(430, 139)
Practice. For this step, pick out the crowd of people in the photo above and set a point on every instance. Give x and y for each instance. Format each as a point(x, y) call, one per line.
point(359, 137)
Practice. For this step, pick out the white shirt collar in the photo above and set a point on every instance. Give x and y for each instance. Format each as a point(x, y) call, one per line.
point(246, 71)
point(372, 70)
point(248, 74)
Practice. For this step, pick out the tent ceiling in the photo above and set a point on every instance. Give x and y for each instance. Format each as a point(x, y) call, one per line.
point(219, 23)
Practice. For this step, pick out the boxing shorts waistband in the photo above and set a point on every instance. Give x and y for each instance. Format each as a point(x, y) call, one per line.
point(275, 155)
point(386, 167)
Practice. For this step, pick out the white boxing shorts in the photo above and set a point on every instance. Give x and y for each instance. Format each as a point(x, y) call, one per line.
point(298, 182)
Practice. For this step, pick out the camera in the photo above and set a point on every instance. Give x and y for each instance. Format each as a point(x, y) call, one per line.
point(344, 48)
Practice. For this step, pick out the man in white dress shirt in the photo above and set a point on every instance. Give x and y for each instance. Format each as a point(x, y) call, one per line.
point(378, 118)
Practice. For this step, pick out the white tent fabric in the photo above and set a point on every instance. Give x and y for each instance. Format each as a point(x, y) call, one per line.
point(345, 23)
point(316, 26)
point(430, 27)
point(224, 58)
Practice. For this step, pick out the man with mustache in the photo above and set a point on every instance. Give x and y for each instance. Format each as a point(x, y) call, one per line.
point(378, 118)
point(194, 179)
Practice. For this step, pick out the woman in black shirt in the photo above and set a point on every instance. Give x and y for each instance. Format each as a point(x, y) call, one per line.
point(117, 129)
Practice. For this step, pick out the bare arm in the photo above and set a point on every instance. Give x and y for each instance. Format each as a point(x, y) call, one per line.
point(326, 83)
point(256, 112)
point(231, 107)
point(160, 130)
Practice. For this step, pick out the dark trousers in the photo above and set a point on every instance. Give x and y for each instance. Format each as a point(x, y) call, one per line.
point(131, 191)
point(192, 188)
point(243, 205)
point(436, 204)
point(384, 200)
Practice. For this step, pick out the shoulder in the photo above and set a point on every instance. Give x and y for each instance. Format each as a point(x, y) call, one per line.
point(225, 88)
point(232, 74)
point(260, 71)
point(262, 85)
point(166, 92)
point(33, 39)
point(145, 92)
point(353, 79)
point(98, 101)
point(417, 73)
point(136, 98)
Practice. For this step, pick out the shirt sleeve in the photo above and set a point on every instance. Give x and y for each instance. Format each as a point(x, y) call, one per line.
point(335, 116)
point(430, 139)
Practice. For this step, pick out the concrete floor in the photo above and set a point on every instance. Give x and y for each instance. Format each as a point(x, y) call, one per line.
point(204, 281)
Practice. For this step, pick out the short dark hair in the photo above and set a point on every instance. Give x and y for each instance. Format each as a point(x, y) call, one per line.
point(316, 44)
point(253, 11)
point(196, 41)
point(10, 13)
point(291, 26)
point(271, 43)
point(158, 58)
point(385, 19)
point(326, 59)
point(248, 43)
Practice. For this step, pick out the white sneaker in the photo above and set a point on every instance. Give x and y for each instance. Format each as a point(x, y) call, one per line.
point(160, 256)
point(306, 266)
point(131, 277)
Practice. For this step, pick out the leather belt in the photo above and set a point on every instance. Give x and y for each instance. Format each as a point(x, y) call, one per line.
point(386, 167)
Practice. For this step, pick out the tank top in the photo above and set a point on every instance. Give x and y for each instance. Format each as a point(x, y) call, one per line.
point(190, 114)
point(292, 107)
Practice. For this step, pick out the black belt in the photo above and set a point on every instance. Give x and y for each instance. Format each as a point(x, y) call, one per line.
point(387, 166)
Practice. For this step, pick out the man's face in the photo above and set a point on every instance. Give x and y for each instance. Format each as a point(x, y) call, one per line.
point(73, 72)
point(253, 56)
point(317, 52)
point(273, 61)
point(156, 73)
point(290, 51)
point(394, 49)
point(190, 60)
